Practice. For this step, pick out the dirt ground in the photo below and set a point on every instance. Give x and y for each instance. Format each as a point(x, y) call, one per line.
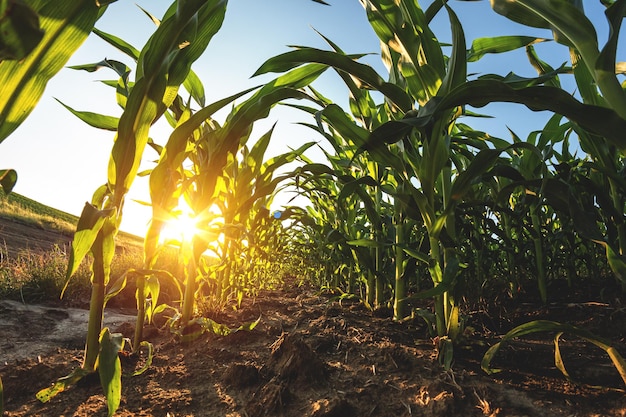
point(313, 356)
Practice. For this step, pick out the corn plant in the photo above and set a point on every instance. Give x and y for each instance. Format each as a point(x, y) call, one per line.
point(216, 178)
point(162, 66)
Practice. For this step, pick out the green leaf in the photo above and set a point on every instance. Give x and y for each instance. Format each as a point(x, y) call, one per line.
point(572, 28)
point(110, 368)
point(602, 121)
point(96, 120)
point(66, 25)
point(61, 384)
point(8, 178)
point(163, 65)
point(89, 225)
point(367, 243)
point(482, 162)
point(551, 326)
point(420, 256)
point(362, 72)
point(617, 262)
point(558, 359)
point(457, 64)
point(118, 43)
point(150, 356)
point(499, 44)
point(415, 52)
point(20, 32)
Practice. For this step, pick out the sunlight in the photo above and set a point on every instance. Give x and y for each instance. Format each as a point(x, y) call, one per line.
point(182, 226)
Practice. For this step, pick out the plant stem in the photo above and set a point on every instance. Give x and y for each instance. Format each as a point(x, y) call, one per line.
point(96, 306)
point(399, 306)
point(141, 312)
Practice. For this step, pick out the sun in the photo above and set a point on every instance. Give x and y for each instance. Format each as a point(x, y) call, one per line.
point(182, 226)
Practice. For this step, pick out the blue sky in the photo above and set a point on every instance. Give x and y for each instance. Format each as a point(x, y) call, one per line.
point(61, 161)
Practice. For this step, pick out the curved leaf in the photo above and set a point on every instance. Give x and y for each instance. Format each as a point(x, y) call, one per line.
point(365, 73)
point(66, 25)
point(499, 44)
point(8, 178)
point(96, 120)
point(599, 120)
point(110, 368)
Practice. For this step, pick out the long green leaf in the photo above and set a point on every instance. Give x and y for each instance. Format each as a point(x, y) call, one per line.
point(551, 326)
point(96, 120)
point(110, 368)
point(66, 24)
point(599, 120)
point(572, 28)
point(61, 384)
point(89, 224)
point(499, 44)
point(365, 73)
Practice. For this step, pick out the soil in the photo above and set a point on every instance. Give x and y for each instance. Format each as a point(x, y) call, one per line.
point(311, 355)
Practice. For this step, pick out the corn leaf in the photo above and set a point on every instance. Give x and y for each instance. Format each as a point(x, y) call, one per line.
point(572, 28)
point(150, 355)
point(110, 368)
point(499, 44)
point(551, 326)
point(8, 178)
point(558, 359)
point(599, 120)
point(19, 29)
point(89, 225)
point(96, 120)
point(61, 384)
point(364, 73)
point(66, 24)
point(118, 43)
point(457, 64)
point(403, 28)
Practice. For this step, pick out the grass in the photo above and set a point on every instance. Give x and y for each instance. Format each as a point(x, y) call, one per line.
point(38, 277)
point(20, 209)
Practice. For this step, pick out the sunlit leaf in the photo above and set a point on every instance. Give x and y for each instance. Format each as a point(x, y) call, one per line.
point(110, 368)
point(66, 24)
point(499, 44)
point(89, 224)
point(61, 384)
point(96, 120)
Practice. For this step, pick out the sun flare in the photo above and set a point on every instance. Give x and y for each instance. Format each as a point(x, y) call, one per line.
point(182, 226)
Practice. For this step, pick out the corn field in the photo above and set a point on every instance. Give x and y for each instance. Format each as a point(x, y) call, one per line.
point(411, 209)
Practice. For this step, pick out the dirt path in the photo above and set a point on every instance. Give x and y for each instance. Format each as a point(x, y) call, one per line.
point(31, 331)
point(308, 356)
point(312, 356)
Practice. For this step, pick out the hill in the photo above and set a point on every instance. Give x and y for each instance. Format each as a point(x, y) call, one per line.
point(26, 224)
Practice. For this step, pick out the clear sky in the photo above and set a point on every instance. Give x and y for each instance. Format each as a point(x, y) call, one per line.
point(61, 161)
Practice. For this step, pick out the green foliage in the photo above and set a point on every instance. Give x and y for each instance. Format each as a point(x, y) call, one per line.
point(19, 25)
point(560, 328)
point(65, 25)
point(110, 368)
